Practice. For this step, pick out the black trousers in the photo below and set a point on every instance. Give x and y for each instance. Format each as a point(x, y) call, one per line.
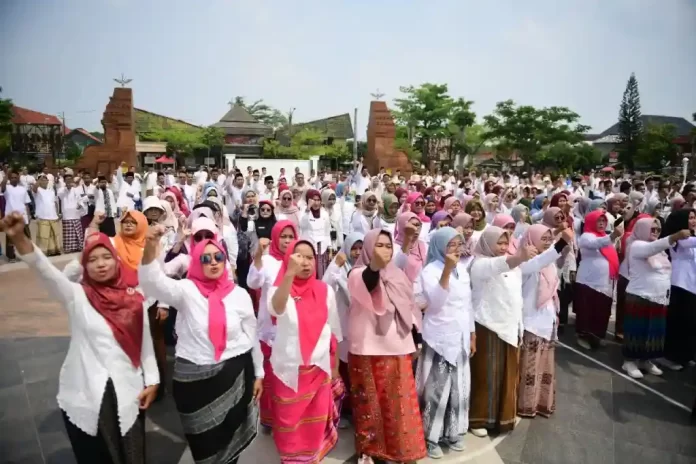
point(565, 297)
point(680, 336)
point(108, 227)
point(10, 247)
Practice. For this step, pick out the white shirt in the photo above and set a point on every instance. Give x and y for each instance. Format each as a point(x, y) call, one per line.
point(100, 203)
point(593, 270)
point(449, 320)
point(73, 205)
point(45, 200)
point(337, 278)
point(539, 321)
point(644, 280)
point(286, 362)
point(193, 343)
point(684, 265)
point(318, 230)
point(128, 194)
point(94, 356)
point(264, 279)
point(26, 181)
point(16, 199)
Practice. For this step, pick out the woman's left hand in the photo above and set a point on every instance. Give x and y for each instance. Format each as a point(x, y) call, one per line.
point(258, 389)
point(147, 396)
point(162, 313)
point(472, 347)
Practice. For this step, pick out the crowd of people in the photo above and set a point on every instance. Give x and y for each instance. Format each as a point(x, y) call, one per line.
point(416, 309)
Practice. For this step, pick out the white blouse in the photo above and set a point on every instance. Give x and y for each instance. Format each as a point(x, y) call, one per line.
point(286, 362)
point(360, 223)
point(593, 270)
point(264, 280)
point(401, 261)
point(94, 356)
point(337, 278)
point(684, 264)
point(539, 321)
point(193, 343)
point(318, 230)
point(646, 281)
point(449, 319)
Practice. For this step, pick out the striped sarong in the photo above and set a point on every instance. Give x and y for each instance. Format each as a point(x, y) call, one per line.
point(73, 235)
point(494, 377)
point(215, 406)
point(304, 422)
point(443, 395)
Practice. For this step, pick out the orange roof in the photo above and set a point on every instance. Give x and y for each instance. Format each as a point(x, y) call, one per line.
point(24, 116)
point(85, 133)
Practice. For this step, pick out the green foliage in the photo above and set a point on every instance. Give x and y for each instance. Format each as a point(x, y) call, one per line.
point(185, 141)
point(304, 144)
point(630, 126)
point(99, 135)
point(213, 137)
point(429, 113)
point(566, 157)
point(73, 151)
point(263, 113)
point(656, 147)
point(5, 123)
point(527, 130)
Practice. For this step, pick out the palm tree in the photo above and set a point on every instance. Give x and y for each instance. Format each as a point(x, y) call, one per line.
point(263, 113)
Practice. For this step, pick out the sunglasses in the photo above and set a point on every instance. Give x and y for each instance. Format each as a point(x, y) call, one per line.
point(655, 230)
point(371, 200)
point(208, 258)
point(265, 210)
point(418, 203)
point(200, 236)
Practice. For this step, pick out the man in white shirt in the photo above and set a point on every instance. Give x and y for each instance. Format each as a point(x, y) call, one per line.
point(48, 232)
point(72, 207)
point(187, 190)
point(105, 203)
point(128, 192)
point(201, 176)
point(87, 191)
point(16, 199)
point(150, 179)
point(233, 193)
point(268, 192)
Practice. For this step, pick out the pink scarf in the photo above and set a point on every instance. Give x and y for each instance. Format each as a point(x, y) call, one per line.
point(410, 200)
point(548, 277)
point(392, 300)
point(501, 220)
point(417, 253)
point(310, 302)
point(214, 291)
point(276, 232)
point(641, 232)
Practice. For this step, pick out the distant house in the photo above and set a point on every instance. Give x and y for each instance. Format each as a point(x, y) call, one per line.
point(244, 135)
point(337, 129)
point(35, 134)
point(147, 123)
point(81, 138)
point(607, 141)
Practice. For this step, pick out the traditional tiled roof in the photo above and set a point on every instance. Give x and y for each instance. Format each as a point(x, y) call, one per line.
point(85, 133)
point(25, 116)
point(147, 121)
point(683, 127)
point(238, 121)
point(337, 127)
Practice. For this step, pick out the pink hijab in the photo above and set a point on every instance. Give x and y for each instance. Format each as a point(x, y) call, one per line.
point(410, 200)
point(450, 201)
point(392, 300)
point(548, 277)
point(417, 253)
point(641, 232)
point(214, 290)
point(501, 220)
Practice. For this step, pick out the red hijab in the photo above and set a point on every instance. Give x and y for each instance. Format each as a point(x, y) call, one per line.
point(609, 252)
point(310, 301)
point(214, 290)
point(278, 228)
point(183, 206)
point(117, 302)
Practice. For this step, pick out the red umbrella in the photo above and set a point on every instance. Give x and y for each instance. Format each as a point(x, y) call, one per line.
point(608, 169)
point(164, 160)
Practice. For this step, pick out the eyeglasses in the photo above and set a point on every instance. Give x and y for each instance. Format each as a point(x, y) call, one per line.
point(204, 235)
point(371, 200)
point(265, 210)
point(419, 203)
point(208, 258)
point(129, 223)
point(454, 245)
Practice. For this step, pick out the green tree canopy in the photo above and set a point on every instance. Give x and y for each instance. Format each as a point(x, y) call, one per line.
point(656, 147)
point(185, 141)
point(304, 144)
point(5, 123)
point(263, 112)
point(527, 130)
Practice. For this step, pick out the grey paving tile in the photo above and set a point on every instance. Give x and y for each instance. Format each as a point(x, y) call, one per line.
point(508, 461)
point(13, 404)
point(44, 406)
point(56, 448)
point(513, 445)
point(549, 443)
point(161, 448)
point(631, 453)
point(38, 368)
point(586, 413)
point(33, 347)
point(19, 442)
point(578, 376)
point(11, 373)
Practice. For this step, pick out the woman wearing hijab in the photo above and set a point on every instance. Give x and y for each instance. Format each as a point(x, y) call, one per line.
point(680, 336)
point(537, 385)
point(402, 194)
point(594, 285)
point(520, 213)
point(210, 189)
point(366, 219)
point(507, 223)
point(491, 203)
point(647, 295)
point(315, 225)
point(387, 213)
point(415, 203)
point(475, 209)
point(286, 208)
point(411, 252)
point(183, 206)
point(218, 370)
point(464, 224)
point(263, 225)
point(496, 283)
point(244, 220)
point(170, 198)
point(537, 209)
point(109, 376)
point(382, 314)
point(443, 379)
point(308, 328)
point(453, 206)
point(328, 202)
point(336, 277)
point(262, 276)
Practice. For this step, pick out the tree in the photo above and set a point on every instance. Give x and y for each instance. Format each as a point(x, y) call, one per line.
point(656, 147)
point(97, 134)
point(565, 157)
point(73, 151)
point(630, 125)
point(263, 113)
point(212, 137)
point(434, 121)
point(526, 130)
point(304, 144)
point(5, 123)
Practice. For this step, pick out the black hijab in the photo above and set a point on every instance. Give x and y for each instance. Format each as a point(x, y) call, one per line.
point(676, 221)
point(263, 226)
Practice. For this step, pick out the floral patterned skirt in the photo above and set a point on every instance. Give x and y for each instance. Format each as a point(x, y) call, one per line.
point(385, 408)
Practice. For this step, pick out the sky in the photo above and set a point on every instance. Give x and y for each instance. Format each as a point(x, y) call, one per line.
point(189, 58)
